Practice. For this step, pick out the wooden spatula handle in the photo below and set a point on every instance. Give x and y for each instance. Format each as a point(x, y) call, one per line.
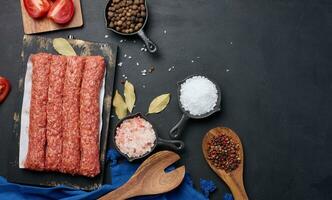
point(121, 193)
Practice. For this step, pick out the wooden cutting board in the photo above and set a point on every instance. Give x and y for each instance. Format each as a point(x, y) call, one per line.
point(34, 44)
point(32, 26)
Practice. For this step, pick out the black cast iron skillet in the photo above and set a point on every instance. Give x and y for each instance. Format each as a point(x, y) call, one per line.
point(148, 43)
point(176, 131)
point(173, 144)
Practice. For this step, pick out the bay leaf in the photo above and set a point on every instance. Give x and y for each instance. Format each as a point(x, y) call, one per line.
point(129, 94)
point(159, 103)
point(63, 47)
point(120, 105)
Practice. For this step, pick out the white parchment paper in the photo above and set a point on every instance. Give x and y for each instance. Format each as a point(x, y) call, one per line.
point(25, 115)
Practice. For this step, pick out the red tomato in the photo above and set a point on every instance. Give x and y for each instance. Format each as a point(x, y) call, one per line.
point(37, 8)
point(4, 88)
point(62, 11)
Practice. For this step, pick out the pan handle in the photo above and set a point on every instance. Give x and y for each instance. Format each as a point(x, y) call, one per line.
point(174, 144)
point(177, 129)
point(148, 43)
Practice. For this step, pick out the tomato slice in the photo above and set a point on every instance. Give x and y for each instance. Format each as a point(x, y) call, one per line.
point(4, 88)
point(62, 11)
point(37, 8)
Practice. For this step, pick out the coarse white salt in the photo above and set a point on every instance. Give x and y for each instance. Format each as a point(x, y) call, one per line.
point(135, 137)
point(198, 95)
point(120, 64)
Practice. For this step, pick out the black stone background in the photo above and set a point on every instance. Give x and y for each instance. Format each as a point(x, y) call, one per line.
point(272, 60)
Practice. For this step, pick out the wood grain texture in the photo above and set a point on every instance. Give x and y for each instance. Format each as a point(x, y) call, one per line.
point(32, 26)
point(234, 179)
point(150, 178)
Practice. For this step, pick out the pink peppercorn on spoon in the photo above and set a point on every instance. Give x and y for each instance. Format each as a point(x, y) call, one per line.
point(233, 179)
point(150, 178)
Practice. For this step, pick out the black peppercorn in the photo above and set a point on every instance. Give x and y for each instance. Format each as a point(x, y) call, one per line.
point(126, 16)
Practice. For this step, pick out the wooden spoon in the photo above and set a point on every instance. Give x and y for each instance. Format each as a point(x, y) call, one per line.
point(150, 178)
point(233, 179)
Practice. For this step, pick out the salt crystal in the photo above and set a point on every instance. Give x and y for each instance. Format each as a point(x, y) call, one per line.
point(227, 70)
point(192, 61)
point(120, 64)
point(129, 57)
point(121, 41)
point(165, 31)
point(106, 36)
point(137, 63)
point(135, 137)
point(198, 95)
point(125, 55)
point(169, 69)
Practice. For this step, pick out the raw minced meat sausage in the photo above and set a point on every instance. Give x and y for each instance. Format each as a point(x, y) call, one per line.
point(71, 108)
point(54, 113)
point(89, 115)
point(64, 114)
point(37, 127)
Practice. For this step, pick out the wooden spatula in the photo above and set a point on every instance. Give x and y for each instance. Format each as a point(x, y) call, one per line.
point(150, 178)
point(234, 179)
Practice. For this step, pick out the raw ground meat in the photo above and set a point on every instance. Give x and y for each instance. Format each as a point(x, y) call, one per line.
point(54, 113)
point(37, 128)
point(89, 115)
point(71, 108)
point(64, 114)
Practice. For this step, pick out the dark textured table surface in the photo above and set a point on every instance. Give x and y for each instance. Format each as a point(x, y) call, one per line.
point(272, 60)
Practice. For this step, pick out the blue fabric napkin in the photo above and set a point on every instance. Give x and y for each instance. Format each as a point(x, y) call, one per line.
point(121, 172)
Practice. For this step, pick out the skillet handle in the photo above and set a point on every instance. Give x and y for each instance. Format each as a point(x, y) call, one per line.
point(148, 43)
point(174, 144)
point(177, 129)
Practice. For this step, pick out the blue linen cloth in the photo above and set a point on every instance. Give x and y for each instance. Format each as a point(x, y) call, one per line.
point(121, 172)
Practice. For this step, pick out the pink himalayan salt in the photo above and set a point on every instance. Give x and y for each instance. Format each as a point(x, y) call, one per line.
point(135, 137)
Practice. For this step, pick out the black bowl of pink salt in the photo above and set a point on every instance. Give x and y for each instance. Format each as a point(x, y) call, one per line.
point(134, 137)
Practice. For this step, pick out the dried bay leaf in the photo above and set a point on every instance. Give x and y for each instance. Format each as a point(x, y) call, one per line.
point(159, 103)
point(129, 94)
point(120, 105)
point(63, 47)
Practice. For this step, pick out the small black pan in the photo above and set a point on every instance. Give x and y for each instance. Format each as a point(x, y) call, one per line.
point(148, 43)
point(173, 144)
point(176, 131)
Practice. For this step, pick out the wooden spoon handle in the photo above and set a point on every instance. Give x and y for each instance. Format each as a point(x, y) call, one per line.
point(237, 189)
